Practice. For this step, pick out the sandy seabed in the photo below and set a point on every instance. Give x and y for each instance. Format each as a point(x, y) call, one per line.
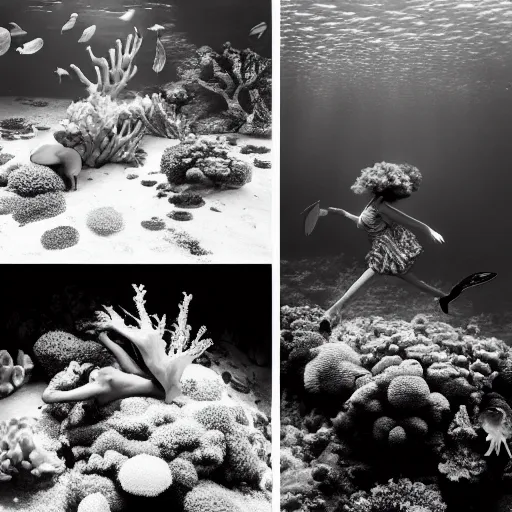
point(240, 232)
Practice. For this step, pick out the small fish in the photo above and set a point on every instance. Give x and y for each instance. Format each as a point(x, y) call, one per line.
point(16, 30)
point(31, 47)
point(258, 30)
point(128, 15)
point(468, 282)
point(5, 40)
point(160, 56)
point(311, 217)
point(70, 23)
point(156, 28)
point(61, 72)
point(87, 34)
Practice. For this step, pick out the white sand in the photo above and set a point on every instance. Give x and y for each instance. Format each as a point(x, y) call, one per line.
point(240, 233)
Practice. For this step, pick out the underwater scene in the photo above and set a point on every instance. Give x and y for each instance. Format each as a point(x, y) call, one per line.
point(135, 132)
point(149, 391)
point(396, 346)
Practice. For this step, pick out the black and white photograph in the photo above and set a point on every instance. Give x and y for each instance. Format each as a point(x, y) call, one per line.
point(395, 371)
point(135, 132)
point(133, 387)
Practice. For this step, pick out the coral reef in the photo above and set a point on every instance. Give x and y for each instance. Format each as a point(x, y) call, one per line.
point(5, 157)
point(102, 129)
point(233, 73)
point(22, 451)
point(262, 164)
point(153, 224)
point(205, 163)
point(249, 149)
point(13, 376)
point(422, 395)
point(31, 209)
point(32, 180)
point(105, 221)
point(61, 237)
point(185, 241)
point(180, 215)
point(14, 128)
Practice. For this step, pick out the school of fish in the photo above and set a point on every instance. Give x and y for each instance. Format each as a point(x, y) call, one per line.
point(449, 45)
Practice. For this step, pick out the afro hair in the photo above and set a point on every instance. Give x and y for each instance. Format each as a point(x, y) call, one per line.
point(389, 181)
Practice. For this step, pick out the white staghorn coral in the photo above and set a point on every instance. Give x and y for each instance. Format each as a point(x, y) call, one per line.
point(165, 362)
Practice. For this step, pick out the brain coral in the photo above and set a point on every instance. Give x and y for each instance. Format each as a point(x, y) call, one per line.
point(209, 161)
point(55, 350)
point(201, 383)
point(95, 502)
point(333, 370)
point(408, 392)
point(33, 179)
point(60, 238)
point(145, 475)
point(105, 221)
point(43, 206)
point(211, 497)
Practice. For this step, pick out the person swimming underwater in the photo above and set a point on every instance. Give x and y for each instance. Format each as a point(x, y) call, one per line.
point(108, 384)
point(394, 248)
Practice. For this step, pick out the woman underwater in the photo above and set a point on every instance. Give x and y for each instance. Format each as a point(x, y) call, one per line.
point(108, 384)
point(394, 248)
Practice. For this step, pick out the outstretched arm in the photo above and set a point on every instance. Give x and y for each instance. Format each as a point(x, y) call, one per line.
point(400, 217)
point(339, 211)
point(127, 364)
point(90, 390)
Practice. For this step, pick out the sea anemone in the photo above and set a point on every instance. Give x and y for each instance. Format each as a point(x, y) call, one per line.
point(495, 422)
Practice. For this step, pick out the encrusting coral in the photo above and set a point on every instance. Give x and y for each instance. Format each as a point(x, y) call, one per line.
point(100, 128)
point(13, 376)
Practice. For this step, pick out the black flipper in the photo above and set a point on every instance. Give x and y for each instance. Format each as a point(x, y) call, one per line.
point(75, 178)
point(325, 327)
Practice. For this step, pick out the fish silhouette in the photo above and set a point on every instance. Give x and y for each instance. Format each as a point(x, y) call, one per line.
point(468, 282)
point(70, 23)
point(16, 30)
point(311, 214)
point(258, 30)
point(31, 47)
point(128, 15)
point(87, 34)
point(160, 56)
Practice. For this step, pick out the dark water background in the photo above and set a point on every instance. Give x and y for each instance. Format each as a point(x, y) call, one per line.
point(58, 294)
point(194, 23)
point(461, 144)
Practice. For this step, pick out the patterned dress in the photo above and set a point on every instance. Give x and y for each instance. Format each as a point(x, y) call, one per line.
point(394, 248)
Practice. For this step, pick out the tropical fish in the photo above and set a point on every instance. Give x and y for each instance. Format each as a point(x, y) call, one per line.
point(160, 56)
point(311, 214)
point(128, 15)
point(258, 30)
point(61, 72)
point(70, 23)
point(16, 30)
point(87, 34)
point(468, 282)
point(31, 47)
point(156, 28)
point(5, 40)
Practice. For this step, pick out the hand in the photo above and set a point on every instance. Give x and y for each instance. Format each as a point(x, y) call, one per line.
point(436, 237)
point(323, 212)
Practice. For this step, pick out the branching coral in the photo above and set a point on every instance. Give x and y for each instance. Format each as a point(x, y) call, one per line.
point(165, 361)
point(161, 118)
point(234, 72)
point(101, 129)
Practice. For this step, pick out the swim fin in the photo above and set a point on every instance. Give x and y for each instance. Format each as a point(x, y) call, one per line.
point(311, 215)
point(468, 282)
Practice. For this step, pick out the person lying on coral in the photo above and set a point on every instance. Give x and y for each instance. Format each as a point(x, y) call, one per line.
point(66, 162)
point(166, 364)
point(394, 248)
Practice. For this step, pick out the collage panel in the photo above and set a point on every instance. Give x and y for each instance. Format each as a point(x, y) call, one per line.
point(130, 387)
point(135, 132)
point(395, 390)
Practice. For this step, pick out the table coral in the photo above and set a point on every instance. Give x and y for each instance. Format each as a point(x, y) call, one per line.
point(204, 162)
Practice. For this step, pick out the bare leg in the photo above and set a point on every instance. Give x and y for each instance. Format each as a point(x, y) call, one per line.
point(125, 361)
point(334, 310)
point(418, 283)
